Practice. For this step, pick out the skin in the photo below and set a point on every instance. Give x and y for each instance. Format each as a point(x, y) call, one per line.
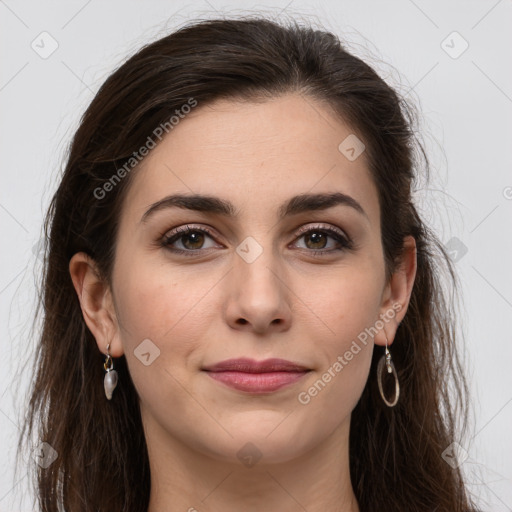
point(214, 305)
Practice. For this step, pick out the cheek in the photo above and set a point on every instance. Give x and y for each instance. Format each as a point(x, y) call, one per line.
point(154, 302)
point(156, 313)
point(347, 300)
point(345, 355)
point(350, 311)
point(170, 309)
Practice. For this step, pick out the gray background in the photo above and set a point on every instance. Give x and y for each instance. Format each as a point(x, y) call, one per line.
point(466, 103)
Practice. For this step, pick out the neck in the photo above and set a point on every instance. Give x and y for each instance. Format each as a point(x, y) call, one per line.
point(185, 478)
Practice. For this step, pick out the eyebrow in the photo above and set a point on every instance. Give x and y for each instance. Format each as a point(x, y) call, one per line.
point(295, 205)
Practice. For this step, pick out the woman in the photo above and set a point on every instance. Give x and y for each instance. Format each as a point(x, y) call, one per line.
point(242, 308)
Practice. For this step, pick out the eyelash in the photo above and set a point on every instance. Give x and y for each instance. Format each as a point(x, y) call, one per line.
point(345, 243)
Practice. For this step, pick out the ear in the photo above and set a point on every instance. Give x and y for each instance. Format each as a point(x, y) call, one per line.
point(397, 294)
point(96, 302)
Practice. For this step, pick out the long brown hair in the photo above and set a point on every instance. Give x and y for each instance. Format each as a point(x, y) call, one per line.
point(396, 458)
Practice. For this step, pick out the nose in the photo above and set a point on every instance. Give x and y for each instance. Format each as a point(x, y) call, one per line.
point(259, 296)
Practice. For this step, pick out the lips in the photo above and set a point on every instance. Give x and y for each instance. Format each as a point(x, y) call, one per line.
point(251, 366)
point(256, 376)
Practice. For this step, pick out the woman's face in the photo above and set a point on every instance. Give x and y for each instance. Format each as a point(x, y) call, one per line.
point(272, 278)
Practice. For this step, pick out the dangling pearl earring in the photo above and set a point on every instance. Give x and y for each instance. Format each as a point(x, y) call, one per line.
point(110, 381)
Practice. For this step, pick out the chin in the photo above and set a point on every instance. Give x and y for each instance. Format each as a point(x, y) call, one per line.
point(278, 443)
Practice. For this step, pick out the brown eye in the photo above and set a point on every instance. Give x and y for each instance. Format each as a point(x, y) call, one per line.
point(191, 239)
point(317, 240)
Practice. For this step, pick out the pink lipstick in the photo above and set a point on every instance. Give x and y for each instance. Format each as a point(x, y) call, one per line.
point(256, 376)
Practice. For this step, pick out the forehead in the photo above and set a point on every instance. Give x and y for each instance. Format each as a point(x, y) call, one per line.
point(257, 154)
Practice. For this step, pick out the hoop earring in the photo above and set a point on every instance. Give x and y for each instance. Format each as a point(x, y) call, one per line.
point(110, 380)
point(391, 369)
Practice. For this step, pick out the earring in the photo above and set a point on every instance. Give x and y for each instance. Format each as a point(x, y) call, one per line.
point(391, 369)
point(110, 381)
